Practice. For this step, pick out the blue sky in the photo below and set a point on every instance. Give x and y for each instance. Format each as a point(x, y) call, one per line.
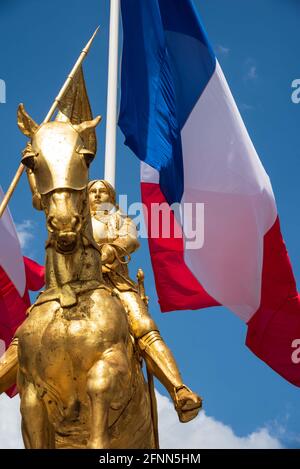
point(256, 44)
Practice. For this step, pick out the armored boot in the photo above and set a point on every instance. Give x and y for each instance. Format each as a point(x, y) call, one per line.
point(159, 358)
point(161, 362)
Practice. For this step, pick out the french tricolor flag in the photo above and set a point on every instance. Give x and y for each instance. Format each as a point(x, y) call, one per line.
point(179, 117)
point(18, 275)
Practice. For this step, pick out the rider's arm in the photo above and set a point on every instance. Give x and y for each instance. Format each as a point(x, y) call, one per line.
point(127, 235)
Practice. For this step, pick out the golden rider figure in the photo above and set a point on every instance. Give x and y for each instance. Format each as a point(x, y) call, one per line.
point(115, 233)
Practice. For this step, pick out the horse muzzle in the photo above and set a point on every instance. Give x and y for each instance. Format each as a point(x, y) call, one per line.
point(66, 242)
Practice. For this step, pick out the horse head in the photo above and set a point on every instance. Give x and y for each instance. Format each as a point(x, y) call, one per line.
point(59, 159)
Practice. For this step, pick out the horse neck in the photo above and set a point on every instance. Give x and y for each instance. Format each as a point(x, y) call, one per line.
point(84, 265)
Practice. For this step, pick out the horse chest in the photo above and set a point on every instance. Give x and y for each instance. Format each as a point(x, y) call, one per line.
point(72, 336)
point(74, 343)
point(60, 341)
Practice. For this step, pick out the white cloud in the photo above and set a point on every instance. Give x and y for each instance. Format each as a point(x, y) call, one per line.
point(222, 50)
point(202, 433)
point(206, 433)
point(251, 70)
point(246, 107)
point(10, 423)
point(24, 230)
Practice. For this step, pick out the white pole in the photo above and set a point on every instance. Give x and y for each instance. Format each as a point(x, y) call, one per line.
point(112, 88)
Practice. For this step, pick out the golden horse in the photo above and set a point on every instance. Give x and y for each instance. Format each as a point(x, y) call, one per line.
point(79, 372)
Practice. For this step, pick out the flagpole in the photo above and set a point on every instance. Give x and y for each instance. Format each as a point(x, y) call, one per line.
point(112, 89)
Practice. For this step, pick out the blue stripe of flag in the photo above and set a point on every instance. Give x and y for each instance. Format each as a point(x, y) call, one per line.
point(166, 64)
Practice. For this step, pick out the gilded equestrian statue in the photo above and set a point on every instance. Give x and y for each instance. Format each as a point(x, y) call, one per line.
point(77, 361)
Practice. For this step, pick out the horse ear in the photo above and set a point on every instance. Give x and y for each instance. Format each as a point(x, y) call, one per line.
point(25, 123)
point(87, 125)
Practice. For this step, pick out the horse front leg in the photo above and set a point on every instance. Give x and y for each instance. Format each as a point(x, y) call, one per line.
point(107, 384)
point(9, 366)
point(36, 430)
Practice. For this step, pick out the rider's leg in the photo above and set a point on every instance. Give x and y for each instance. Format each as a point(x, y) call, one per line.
point(106, 386)
point(158, 356)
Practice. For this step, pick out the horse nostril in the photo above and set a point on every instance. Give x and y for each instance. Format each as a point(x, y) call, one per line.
point(76, 223)
point(67, 241)
point(67, 238)
point(51, 224)
point(72, 224)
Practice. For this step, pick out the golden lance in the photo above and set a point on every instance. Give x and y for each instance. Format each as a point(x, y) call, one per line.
point(60, 95)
